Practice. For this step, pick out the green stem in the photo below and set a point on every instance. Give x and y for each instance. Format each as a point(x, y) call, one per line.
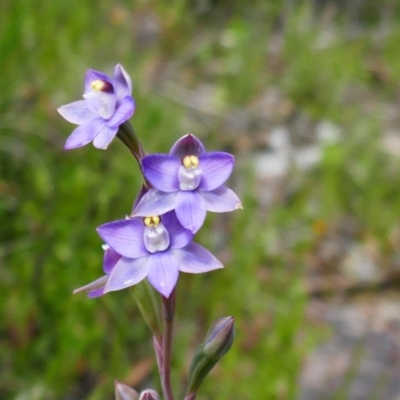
point(128, 137)
point(149, 307)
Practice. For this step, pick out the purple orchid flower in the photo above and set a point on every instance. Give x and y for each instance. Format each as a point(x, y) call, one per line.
point(156, 247)
point(189, 180)
point(107, 104)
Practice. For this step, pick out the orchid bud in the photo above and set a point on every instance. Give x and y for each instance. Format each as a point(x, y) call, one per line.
point(218, 341)
point(123, 392)
point(149, 394)
point(219, 338)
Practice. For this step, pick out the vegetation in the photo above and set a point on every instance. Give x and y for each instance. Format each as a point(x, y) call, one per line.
point(203, 67)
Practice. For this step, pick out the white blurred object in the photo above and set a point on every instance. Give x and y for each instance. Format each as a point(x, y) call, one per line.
point(359, 265)
point(307, 156)
point(327, 133)
point(391, 143)
point(276, 162)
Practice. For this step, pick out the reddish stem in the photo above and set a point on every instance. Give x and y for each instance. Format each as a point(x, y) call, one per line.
point(169, 312)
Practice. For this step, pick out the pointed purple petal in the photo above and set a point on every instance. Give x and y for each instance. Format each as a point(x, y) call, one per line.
point(96, 293)
point(219, 200)
point(104, 137)
point(195, 259)
point(127, 272)
point(76, 112)
point(122, 82)
point(161, 171)
point(125, 237)
point(84, 133)
point(98, 283)
point(123, 112)
point(91, 76)
point(190, 210)
point(187, 145)
point(216, 168)
point(178, 235)
point(163, 272)
point(155, 202)
point(111, 257)
point(143, 191)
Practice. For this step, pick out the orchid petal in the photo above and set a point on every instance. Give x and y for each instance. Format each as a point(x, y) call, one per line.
point(96, 293)
point(179, 236)
point(111, 257)
point(142, 192)
point(162, 171)
point(155, 202)
point(123, 112)
point(98, 283)
point(219, 200)
point(163, 272)
point(101, 103)
point(125, 237)
point(122, 82)
point(216, 168)
point(84, 133)
point(190, 210)
point(188, 145)
point(76, 112)
point(105, 137)
point(195, 259)
point(127, 272)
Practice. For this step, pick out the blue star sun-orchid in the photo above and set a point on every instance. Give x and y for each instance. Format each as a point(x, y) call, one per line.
point(154, 247)
point(107, 104)
point(189, 180)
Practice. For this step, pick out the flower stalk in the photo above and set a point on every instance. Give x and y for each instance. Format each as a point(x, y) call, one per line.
point(148, 306)
point(168, 314)
point(126, 133)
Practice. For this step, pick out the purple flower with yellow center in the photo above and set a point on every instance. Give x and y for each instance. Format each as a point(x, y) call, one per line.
point(156, 247)
point(107, 104)
point(189, 180)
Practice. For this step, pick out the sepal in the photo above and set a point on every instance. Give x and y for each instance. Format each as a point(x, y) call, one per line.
point(124, 392)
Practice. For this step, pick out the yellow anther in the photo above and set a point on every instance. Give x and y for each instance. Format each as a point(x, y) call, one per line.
point(98, 85)
point(152, 221)
point(190, 162)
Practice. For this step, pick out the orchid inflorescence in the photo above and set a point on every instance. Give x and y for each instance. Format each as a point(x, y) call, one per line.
point(156, 240)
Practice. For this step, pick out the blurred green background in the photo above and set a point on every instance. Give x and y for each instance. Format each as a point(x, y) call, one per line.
point(305, 94)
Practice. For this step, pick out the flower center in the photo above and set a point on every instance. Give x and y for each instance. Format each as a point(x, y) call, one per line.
point(152, 221)
point(189, 173)
point(101, 86)
point(101, 98)
point(155, 236)
point(190, 162)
